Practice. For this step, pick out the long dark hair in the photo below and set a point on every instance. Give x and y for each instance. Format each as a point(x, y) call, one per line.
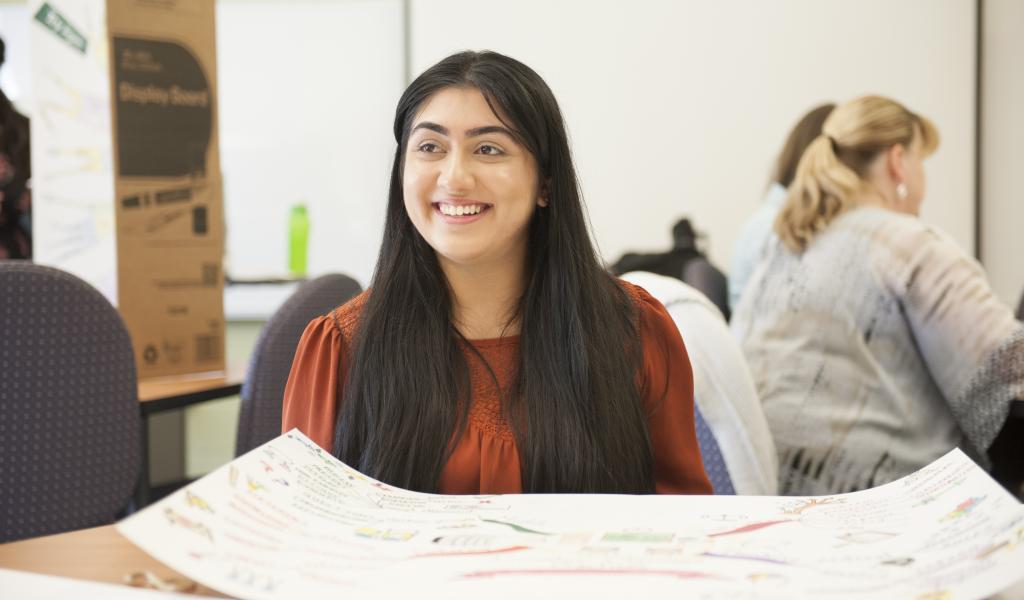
point(574, 406)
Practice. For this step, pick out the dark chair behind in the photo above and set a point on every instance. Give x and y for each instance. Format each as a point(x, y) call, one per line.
point(704, 276)
point(259, 420)
point(1020, 308)
point(70, 448)
point(685, 262)
point(671, 263)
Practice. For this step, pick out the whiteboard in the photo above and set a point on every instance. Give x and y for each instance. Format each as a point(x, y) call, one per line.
point(307, 93)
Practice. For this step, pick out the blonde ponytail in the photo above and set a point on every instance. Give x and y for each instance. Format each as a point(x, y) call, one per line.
point(832, 172)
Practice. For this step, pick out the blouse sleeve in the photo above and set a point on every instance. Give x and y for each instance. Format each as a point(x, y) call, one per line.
point(667, 392)
point(309, 396)
point(970, 340)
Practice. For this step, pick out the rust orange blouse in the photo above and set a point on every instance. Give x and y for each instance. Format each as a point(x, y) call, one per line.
point(486, 461)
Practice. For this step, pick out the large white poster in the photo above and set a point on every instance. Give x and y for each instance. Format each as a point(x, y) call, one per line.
point(288, 520)
point(72, 147)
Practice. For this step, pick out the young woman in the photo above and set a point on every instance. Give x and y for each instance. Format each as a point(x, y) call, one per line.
point(492, 353)
point(875, 342)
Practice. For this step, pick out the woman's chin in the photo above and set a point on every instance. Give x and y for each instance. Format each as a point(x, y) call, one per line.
point(460, 255)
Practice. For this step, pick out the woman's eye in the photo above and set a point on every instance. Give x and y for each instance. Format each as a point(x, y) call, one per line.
point(489, 150)
point(428, 147)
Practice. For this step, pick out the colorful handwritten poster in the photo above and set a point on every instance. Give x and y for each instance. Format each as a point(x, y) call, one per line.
point(288, 520)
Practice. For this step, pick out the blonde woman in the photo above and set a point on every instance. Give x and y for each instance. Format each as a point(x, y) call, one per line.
point(875, 342)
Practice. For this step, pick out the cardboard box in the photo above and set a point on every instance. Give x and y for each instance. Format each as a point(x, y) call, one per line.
point(131, 86)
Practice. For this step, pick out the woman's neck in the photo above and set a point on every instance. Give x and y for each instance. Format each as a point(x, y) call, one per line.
point(868, 199)
point(485, 297)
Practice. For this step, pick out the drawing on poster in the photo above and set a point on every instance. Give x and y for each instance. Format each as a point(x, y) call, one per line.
point(288, 519)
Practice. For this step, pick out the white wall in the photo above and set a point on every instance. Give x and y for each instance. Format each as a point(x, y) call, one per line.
point(675, 107)
point(1002, 147)
point(16, 75)
point(678, 108)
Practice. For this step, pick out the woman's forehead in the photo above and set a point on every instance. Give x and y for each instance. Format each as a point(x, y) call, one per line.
point(458, 109)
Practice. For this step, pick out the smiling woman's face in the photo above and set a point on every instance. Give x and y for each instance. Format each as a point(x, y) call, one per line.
point(470, 188)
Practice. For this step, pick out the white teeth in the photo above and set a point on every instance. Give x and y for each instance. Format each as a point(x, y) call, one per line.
point(458, 211)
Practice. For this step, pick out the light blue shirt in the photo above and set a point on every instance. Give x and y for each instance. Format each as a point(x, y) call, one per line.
point(750, 244)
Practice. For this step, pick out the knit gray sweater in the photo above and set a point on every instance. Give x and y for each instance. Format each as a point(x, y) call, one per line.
point(875, 351)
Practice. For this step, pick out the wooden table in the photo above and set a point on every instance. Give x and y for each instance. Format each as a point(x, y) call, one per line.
point(98, 554)
point(170, 393)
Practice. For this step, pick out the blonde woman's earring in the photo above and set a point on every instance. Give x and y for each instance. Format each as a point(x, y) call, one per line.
point(901, 191)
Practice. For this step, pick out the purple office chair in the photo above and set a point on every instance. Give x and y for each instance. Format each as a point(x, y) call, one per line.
point(70, 448)
point(259, 420)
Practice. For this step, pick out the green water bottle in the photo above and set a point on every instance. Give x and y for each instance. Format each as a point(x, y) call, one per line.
point(298, 240)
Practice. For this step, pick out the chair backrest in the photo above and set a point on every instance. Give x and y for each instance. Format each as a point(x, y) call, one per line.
point(711, 454)
point(259, 420)
point(728, 411)
point(70, 448)
point(701, 274)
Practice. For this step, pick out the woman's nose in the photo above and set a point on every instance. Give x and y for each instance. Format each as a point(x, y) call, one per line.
point(456, 174)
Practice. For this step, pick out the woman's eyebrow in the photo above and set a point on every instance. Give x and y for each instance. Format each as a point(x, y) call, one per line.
point(431, 126)
point(478, 131)
point(474, 132)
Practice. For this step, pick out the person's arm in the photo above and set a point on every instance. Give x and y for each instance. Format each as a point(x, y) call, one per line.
point(667, 392)
point(310, 394)
point(973, 346)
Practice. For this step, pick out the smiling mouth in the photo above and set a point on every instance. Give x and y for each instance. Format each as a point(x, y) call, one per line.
point(460, 210)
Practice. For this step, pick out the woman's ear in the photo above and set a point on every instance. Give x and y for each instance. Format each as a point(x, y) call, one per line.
point(896, 162)
point(542, 195)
